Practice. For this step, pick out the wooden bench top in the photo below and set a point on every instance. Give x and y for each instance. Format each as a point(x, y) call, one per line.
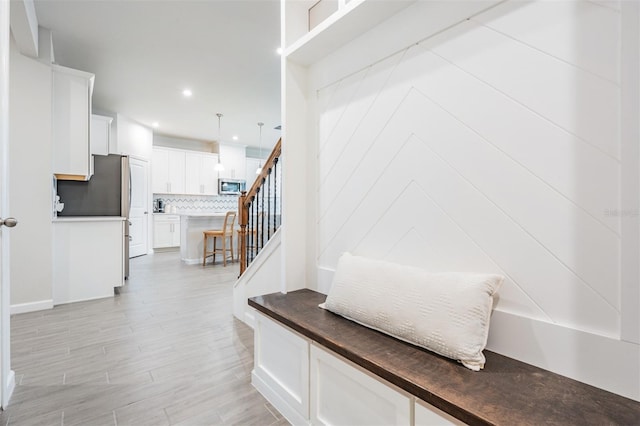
point(505, 392)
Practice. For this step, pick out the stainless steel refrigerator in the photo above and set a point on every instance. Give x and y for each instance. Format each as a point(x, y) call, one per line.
point(107, 193)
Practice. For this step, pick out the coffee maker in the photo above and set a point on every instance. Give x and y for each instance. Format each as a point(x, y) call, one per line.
point(158, 205)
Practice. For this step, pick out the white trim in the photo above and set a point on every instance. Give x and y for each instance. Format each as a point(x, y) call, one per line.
point(190, 261)
point(250, 317)
point(11, 383)
point(269, 248)
point(7, 376)
point(86, 299)
point(600, 361)
point(630, 172)
point(240, 294)
point(41, 305)
point(272, 396)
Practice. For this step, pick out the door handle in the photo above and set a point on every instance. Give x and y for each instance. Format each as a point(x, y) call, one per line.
point(8, 222)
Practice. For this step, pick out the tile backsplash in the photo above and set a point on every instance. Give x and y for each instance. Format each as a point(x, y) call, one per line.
point(196, 203)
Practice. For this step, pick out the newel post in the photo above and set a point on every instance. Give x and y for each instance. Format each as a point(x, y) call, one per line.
point(243, 219)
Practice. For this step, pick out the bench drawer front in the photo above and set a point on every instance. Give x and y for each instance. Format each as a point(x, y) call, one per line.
point(342, 394)
point(281, 368)
point(428, 415)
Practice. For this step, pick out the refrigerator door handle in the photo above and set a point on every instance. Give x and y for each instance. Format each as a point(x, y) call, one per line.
point(129, 211)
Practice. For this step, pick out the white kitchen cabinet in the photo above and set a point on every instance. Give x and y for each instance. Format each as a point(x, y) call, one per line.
point(166, 230)
point(233, 158)
point(168, 171)
point(72, 92)
point(88, 258)
point(100, 134)
point(200, 175)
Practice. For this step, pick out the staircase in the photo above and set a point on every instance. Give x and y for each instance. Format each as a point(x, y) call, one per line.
point(260, 210)
point(259, 217)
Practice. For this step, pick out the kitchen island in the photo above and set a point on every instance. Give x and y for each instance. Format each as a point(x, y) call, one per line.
point(192, 226)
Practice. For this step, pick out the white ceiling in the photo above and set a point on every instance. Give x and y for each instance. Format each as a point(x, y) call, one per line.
point(144, 53)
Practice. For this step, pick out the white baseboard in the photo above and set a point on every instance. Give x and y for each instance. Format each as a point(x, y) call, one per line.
point(272, 396)
point(199, 261)
point(600, 361)
point(9, 388)
point(22, 308)
point(249, 317)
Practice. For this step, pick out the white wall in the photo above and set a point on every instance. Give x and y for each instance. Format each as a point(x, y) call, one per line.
point(30, 183)
point(494, 146)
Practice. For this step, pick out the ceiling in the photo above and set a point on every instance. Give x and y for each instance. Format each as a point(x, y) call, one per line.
point(145, 53)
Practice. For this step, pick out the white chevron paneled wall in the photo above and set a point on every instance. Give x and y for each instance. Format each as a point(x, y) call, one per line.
point(493, 147)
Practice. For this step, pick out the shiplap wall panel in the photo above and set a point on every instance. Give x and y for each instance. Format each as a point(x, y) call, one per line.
point(487, 148)
point(552, 88)
point(577, 170)
point(452, 248)
point(578, 241)
point(611, 4)
point(389, 96)
point(511, 247)
point(337, 102)
point(566, 33)
point(368, 88)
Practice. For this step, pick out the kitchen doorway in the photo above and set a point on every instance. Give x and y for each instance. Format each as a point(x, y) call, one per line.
point(139, 212)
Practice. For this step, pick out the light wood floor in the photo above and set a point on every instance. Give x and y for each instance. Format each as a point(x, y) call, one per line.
point(166, 350)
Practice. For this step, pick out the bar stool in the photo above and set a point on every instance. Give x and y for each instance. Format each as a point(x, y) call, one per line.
point(224, 233)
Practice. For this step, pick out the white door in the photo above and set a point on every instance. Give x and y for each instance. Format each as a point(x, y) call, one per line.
point(7, 377)
point(139, 213)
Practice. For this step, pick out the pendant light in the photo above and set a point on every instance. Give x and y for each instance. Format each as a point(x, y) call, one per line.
point(259, 169)
point(219, 167)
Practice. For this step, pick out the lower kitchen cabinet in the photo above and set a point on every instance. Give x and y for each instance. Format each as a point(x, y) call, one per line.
point(166, 230)
point(88, 258)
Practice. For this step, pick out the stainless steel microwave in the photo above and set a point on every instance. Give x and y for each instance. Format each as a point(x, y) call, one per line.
point(231, 186)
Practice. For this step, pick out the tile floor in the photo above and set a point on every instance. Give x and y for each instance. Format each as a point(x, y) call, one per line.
point(166, 350)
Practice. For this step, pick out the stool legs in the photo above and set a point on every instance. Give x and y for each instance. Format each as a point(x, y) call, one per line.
point(224, 249)
point(204, 251)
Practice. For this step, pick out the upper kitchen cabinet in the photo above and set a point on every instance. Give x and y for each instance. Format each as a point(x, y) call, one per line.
point(100, 134)
point(72, 92)
point(168, 171)
point(200, 175)
point(233, 158)
point(131, 138)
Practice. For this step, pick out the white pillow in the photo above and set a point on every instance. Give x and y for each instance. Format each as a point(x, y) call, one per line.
point(447, 313)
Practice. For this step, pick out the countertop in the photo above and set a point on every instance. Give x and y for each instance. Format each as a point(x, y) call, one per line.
point(88, 219)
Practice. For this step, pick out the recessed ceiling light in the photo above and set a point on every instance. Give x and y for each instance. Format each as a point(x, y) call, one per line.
point(155, 124)
point(187, 93)
point(279, 50)
point(234, 137)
